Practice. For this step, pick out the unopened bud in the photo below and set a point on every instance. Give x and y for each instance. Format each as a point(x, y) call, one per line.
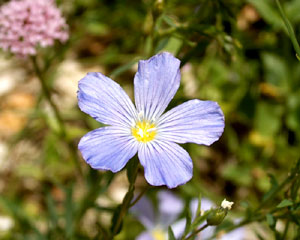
point(216, 216)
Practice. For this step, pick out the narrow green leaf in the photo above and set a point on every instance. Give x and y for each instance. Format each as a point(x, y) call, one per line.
point(289, 28)
point(297, 167)
point(200, 219)
point(53, 217)
point(123, 68)
point(270, 220)
point(171, 234)
point(15, 209)
point(188, 223)
point(114, 220)
point(259, 236)
point(131, 169)
point(161, 44)
point(274, 185)
point(169, 21)
point(69, 212)
point(119, 213)
point(198, 213)
point(174, 44)
point(294, 189)
point(200, 48)
point(267, 11)
point(285, 203)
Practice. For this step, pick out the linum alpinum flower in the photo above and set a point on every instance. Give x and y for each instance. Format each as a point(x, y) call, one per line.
point(144, 129)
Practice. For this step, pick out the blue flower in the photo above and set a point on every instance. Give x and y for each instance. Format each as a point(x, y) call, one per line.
point(144, 129)
point(156, 223)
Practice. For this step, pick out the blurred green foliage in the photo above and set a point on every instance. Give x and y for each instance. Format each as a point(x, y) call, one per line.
point(234, 52)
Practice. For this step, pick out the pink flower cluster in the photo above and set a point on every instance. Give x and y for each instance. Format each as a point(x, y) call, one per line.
point(26, 24)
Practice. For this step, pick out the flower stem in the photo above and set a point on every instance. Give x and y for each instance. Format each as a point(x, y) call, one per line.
point(256, 215)
point(123, 208)
point(46, 92)
point(197, 231)
point(289, 29)
point(139, 196)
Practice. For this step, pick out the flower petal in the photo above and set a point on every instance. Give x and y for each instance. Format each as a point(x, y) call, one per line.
point(207, 233)
point(178, 228)
point(105, 100)
point(144, 211)
point(108, 148)
point(197, 121)
point(170, 206)
point(155, 84)
point(165, 163)
point(239, 233)
point(145, 236)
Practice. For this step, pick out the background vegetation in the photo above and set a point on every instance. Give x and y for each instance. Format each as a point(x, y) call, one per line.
point(235, 52)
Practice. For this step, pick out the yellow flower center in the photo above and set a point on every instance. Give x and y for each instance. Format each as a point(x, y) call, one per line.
point(144, 131)
point(158, 234)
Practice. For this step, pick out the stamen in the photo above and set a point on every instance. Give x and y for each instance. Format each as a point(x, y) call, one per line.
point(151, 130)
point(144, 131)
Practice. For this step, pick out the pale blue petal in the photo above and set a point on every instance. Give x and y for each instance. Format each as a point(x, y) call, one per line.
point(108, 148)
point(206, 204)
point(155, 84)
point(145, 236)
point(165, 163)
point(144, 211)
point(207, 233)
point(194, 207)
point(196, 121)
point(170, 206)
point(237, 234)
point(105, 100)
point(178, 228)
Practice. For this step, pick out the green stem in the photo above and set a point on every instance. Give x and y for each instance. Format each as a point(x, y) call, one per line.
point(285, 230)
point(74, 156)
point(139, 196)
point(47, 94)
point(123, 208)
point(256, 216)
point(96, 185)
point(196, 232)
point(274, 193)
point(289, 29)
